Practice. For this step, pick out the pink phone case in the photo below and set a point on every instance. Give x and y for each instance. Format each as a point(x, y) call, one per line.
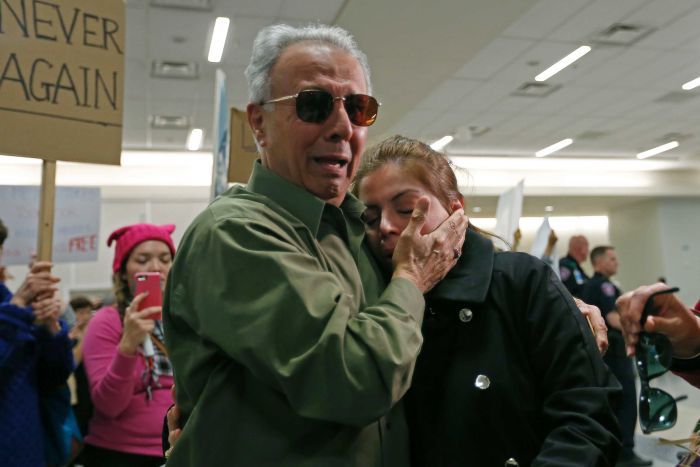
point(149, 282)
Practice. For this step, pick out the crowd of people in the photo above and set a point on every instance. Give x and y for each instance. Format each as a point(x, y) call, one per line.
point(340, 309)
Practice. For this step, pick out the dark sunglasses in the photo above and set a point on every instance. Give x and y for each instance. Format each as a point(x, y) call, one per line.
point(654, 353)
point(315, 106)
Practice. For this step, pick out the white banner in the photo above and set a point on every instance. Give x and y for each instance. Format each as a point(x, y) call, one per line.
point(508, 212)
point(76, 224)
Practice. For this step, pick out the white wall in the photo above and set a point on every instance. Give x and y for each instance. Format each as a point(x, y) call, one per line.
point(680, 244)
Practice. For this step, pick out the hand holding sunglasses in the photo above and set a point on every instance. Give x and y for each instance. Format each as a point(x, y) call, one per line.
point(654, 354)
point(316, 105)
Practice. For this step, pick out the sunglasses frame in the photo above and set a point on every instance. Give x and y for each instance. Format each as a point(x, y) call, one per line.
point(648, 422)
point(334, 99)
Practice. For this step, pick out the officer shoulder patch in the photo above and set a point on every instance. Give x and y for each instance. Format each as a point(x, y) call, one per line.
point(608, 289)
point(564, 273)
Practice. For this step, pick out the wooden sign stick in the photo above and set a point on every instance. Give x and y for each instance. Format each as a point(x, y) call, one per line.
point(47, 202)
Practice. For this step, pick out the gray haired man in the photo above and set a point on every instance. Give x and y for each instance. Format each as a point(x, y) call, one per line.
point(289, 347)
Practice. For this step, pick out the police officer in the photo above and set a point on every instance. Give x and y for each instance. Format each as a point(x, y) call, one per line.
point(570, 270)
point(601, 292)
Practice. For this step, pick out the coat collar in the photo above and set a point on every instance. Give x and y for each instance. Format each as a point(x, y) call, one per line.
point(469, 280)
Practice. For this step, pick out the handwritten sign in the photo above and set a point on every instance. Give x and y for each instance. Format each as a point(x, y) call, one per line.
point(76, 231)
point(62, 79)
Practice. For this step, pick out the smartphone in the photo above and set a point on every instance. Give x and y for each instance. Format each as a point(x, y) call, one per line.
point(149, 282)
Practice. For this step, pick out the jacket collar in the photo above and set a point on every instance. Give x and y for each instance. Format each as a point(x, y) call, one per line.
point(469, 280)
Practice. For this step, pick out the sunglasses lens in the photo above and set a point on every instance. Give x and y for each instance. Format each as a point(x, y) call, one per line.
point(314, 106)
point(654, 355)
point(362, 109)
point(657, 410)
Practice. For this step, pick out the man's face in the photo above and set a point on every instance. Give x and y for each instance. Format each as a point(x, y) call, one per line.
point(607, 264)
point(320, 157)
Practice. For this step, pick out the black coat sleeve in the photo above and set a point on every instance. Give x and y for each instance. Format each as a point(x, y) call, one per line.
point(577, 389)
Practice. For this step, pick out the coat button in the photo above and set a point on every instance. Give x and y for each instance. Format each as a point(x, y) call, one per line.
point(465, 315)
point(482, 382)
point(511, 463)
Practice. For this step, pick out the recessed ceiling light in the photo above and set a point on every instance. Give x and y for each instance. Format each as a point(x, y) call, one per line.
point(554, 147)
point(440, 144)
point(194, 140)
point(549, 208)
point(563, 63)
point(692, 84)
point(476, 209)
point(218, 39)
point(657, 150)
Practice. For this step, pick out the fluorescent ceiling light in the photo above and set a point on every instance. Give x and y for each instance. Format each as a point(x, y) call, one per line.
point(657, 150)
point(563, 63)
point(218, 39)
point(692, 84)
point(554, 148)
point(194, 140)
point(440, 144)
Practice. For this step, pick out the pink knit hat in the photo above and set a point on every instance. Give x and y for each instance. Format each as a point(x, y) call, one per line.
point(129, 236)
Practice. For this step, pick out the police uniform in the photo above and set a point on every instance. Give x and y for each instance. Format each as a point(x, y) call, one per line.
point(601, 292)
point(572, 275)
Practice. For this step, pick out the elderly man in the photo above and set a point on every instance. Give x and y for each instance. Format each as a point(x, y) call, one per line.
point(570, 271)
point(287, 346)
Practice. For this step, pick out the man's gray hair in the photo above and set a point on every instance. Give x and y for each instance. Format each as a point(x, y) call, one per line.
point(271, 42)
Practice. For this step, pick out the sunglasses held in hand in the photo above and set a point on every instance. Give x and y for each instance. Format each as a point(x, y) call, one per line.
point(654, 354)
point(316, 105)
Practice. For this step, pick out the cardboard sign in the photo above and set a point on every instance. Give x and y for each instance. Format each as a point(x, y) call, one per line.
point(76, 231)
point(508, 212)
point(62, 79)
point(243, 152)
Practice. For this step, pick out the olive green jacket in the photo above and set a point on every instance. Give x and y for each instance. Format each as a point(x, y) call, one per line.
point(286, 347)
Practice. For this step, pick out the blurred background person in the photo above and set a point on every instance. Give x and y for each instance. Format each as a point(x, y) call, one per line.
point(129, 384)
point(570, 271)
point(35, 360)
point(600, 291)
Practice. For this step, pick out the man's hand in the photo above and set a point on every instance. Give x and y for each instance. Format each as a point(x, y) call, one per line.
point(174, 430)
point(426, 259)
point(673, 319)
point(38, 285)
point(596, 322)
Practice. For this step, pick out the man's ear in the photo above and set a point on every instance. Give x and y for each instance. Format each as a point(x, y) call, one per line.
point(256, 117)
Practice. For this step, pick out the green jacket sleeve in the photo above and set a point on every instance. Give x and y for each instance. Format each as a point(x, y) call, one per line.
point(265, 296)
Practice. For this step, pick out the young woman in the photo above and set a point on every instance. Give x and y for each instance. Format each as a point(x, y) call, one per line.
point(130, 390)
point(509, 373)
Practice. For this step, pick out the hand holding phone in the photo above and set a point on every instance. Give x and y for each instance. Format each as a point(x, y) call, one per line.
point(149, 282)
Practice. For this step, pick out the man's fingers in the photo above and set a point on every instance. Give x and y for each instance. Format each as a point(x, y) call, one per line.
point(418, 216)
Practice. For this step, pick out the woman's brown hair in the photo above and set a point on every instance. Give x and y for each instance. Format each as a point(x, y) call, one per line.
point(431, 168)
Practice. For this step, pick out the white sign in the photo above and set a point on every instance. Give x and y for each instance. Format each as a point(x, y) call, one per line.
point(508, 212)
point(76, 225)
point(539, 246)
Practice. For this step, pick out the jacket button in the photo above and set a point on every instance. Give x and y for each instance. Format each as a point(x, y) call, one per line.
point(465, 315)
point(511, 463)
point(482, 382)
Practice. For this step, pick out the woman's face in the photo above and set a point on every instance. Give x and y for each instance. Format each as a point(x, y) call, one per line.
point(148, 256)
point(390, 194)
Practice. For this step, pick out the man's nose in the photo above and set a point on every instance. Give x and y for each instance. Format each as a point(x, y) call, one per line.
point(340, 127)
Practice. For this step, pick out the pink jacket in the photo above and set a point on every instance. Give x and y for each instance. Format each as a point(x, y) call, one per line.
point(123, 419)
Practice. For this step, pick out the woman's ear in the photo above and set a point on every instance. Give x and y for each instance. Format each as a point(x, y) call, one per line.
point(457, 203)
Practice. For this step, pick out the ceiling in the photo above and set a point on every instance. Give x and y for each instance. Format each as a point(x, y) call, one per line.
point(453, 67)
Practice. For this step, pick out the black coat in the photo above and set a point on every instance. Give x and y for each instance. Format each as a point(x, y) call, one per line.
point(509, 370)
